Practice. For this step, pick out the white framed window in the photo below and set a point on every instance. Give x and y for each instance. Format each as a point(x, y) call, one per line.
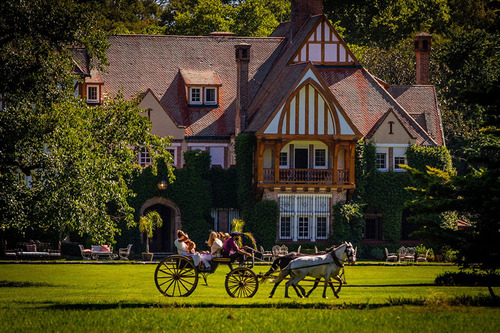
point(211, 96)
point(194, 95)
point(284, 159)
point(399, 158)
point(303, 222)
point(285, 227)
point(93, 94)
point(304, 216)
point(320, 158)
point(397, 161)
point(321, 227)
point(381, 161)
point(144, 158)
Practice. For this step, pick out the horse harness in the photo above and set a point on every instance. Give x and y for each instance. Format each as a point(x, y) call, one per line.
point(335, 260)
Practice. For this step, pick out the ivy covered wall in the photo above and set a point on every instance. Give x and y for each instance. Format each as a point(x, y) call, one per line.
point(382, 191)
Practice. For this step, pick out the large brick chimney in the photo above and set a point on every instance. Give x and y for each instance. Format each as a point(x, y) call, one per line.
point(423, 52)
point(242, 60)
point(302, 9)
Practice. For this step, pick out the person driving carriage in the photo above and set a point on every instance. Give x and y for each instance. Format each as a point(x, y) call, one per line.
point(232, 251)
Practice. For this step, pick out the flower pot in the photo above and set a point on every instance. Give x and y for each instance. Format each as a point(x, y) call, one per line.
point(147, 256)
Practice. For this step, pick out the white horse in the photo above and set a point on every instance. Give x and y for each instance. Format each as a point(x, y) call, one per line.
point(318, 266)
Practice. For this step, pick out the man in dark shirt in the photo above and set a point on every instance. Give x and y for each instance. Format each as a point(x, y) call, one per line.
point(231, 249)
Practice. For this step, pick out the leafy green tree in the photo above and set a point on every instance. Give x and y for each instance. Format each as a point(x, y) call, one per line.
point(148, 223)
point(474, 196)
point(206, 17)
point(387, 22)
point(465, 59)
point(131, 16)
point(245, 18)
point(254, 18)
point(64, 166)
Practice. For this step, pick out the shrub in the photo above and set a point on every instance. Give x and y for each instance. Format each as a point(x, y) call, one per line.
point(377, 253)
point(262, 222)
point(468, 279)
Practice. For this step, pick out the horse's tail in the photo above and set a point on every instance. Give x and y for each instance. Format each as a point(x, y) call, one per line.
point(284, 272)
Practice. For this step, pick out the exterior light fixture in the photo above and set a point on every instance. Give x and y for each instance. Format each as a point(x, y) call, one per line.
point(162, 184)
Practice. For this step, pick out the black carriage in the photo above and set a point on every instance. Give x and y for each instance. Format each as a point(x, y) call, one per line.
point(177, 276)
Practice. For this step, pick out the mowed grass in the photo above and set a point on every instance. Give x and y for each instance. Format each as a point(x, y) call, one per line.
point(98, 297)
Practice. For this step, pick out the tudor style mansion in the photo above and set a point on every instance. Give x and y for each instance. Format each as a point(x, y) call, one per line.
point(300, 91)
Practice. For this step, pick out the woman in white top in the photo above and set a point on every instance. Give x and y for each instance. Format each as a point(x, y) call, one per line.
point(215, 245)
point(180, 243)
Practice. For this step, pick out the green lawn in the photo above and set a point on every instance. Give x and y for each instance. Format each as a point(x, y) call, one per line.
point(96, 297)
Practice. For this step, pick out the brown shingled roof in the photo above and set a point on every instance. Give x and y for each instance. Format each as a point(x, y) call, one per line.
point(166, 64)
point(365, 101)
point(200, 78)
point(139, 62)
point(421, 104)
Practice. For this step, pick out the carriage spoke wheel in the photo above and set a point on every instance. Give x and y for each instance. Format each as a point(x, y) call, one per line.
point(176, 276)
point(241, 282)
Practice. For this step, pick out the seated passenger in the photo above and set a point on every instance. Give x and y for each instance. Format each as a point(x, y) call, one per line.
point(191, 246)
point(215, 245)
point(232, 251)
point(180, 243)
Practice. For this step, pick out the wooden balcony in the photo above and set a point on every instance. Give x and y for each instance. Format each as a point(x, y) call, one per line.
point(306, 176)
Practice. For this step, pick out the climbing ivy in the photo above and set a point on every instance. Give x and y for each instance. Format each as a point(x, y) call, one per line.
point(262, 222)
point(223, 184)
point(421, 156)
point(244, 149)
point(383, 191)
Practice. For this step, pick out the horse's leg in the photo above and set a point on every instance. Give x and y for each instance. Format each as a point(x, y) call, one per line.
point(336, 293)
point(316, 282)
point(302, 290)
point(297, 291)
point(327, 281)
point(274, 289)
point(286, 288)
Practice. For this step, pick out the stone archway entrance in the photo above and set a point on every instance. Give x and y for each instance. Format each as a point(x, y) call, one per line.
point(163, 238)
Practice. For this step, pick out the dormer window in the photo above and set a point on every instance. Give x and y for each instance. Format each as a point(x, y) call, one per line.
point(194, 95)
point(203, 95)
point(202, 87)
point(92, 94)
point(211, 96)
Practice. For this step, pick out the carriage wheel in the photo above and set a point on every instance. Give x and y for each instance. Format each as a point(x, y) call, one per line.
point(176, 276)
point(241, 282)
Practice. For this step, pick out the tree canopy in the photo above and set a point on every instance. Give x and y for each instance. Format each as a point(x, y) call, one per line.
point(473, 197)
point(64, 166)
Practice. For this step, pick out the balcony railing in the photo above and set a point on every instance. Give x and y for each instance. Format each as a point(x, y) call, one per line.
point(305, 176)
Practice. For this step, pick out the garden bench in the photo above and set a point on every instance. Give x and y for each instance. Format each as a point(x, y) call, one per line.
point(406, 253)
point(102, 251)
point(34, 250)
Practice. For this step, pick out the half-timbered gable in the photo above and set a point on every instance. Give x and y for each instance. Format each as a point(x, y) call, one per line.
point(324, 46)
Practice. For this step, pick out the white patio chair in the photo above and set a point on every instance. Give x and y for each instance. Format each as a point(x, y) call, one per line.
point(276, 252)
point(424, 257)
point(86, 253)
point(124, 252)
point(265, 254)
point(390, 256)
